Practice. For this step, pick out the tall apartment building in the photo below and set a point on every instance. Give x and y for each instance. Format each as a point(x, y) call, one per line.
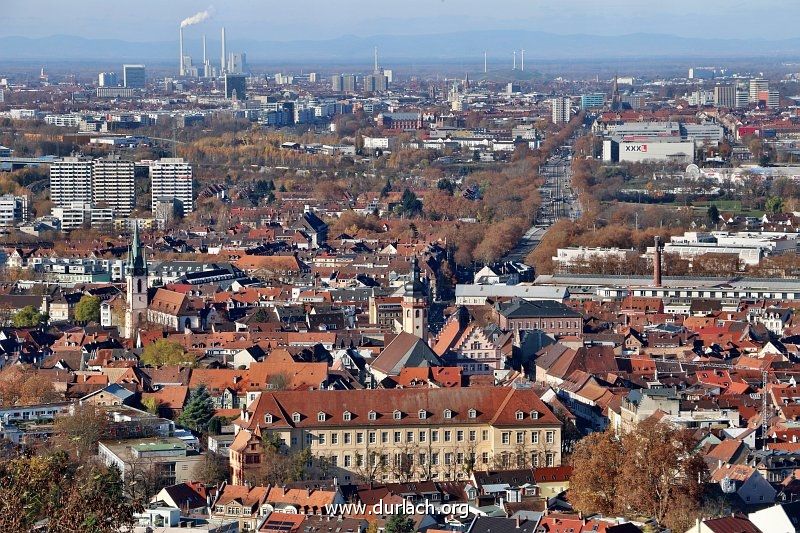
point(725, 96)
point(401, 434)
point(133, 76)
point(349, 83)
point(756, 86)
point(336, 83)
point(562, 110)
point(112, 185)
point(71, 181)
point(171, 178)
point(13, 209)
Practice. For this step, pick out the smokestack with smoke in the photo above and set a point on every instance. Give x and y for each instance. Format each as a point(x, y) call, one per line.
point(197, 18)
point(180, 68)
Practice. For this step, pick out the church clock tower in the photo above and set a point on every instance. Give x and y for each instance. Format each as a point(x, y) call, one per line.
point(136, 286)
point(415, 305)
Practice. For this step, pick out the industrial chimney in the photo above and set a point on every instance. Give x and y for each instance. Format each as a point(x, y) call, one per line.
point(657, 263)
point(223, 65)
point(180, 65)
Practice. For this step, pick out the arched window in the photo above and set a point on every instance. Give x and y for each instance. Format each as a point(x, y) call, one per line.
point(139, 285)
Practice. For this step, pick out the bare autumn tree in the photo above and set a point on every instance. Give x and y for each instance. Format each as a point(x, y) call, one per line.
point(80, 431)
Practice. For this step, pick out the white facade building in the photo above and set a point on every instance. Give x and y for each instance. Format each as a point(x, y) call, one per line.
point(112, 185)
point(13, 209)
point(562, 110)
point(70, 181)
point(171, 178)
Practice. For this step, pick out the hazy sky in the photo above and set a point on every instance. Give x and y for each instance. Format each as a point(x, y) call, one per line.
point(156, 20)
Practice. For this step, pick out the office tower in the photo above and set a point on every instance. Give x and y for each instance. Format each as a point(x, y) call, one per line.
point(725, 96)
point(107, 79)
point(235, 84)
point(756, 86)
point(336, 83)
point(593, 100)
point(133, 76)
point(349, 83)
point(112, 185)
point(237, 63)
point(773, 99)
point(71, 181)
point(389, 75)
point(171, 179)
point(561, 110)
point(742, 96)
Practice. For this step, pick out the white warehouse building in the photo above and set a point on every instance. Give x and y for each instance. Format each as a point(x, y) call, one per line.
point(616, 150)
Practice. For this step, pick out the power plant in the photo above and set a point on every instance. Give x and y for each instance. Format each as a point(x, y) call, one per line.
point(234, 63)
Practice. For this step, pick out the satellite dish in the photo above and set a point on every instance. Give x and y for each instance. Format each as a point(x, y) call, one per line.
point(693, 171)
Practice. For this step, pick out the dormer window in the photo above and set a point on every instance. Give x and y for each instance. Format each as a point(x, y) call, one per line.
point(347, 416)
point(268, 419)
point(520, 415)
point(372, 415)
point(295, 417)
point(321, 417)
point(397, 415)
point(472, 413)
point(448, 414)
point(423, 414)
point(535, 415)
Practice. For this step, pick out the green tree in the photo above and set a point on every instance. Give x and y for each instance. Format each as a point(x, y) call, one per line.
point(400, 523)
point(163, 352)
point(152, 404)
point(446, 185)
point(28, 317)
point(88, 309)
point(199, 410)
point(387, 188)
point(713, 214)
point(774, 204)
point(410, 205)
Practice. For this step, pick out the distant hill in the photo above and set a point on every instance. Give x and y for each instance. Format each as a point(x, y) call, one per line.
point(446, 46)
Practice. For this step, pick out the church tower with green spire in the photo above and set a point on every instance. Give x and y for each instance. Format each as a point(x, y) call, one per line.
point(136, 273)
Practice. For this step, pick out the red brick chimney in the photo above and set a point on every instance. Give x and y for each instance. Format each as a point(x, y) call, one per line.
point(657, 263)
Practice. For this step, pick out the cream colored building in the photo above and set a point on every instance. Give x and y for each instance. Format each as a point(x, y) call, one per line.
point(400, 434)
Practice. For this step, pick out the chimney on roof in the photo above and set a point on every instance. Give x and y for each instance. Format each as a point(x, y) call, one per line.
point(657, 263)
point(517, 522)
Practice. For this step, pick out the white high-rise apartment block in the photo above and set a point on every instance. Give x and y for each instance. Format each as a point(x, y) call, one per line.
point(562, 110)
point(112, 185)
point(71, 181)
point(172, 178)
